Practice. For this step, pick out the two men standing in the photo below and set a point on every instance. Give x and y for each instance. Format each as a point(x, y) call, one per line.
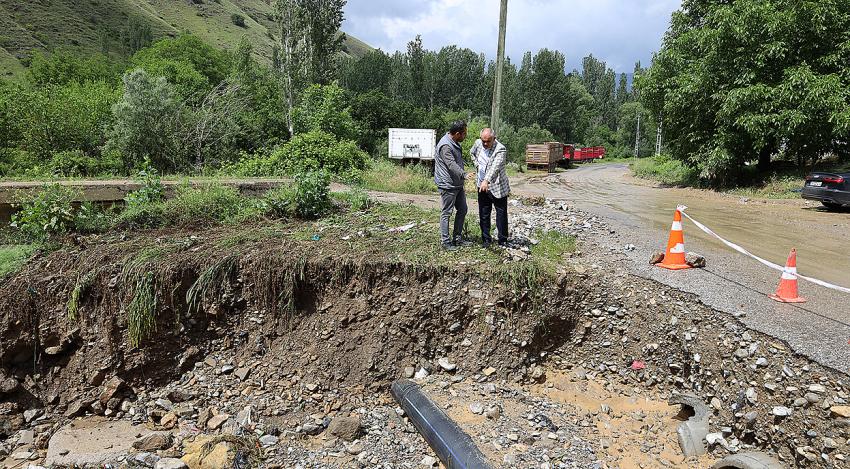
point(490, 159)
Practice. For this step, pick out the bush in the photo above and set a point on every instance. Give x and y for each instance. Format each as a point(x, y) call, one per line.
point(257, 165)
point(281, 202)
point(356, 199)
point(75, 163)
point(387, 176)
point(238, 20)
point(325, 109)
point(91, 218)
point(666, 171)
point(204, 206)
point(317, 151)
point(312, 195)
point(150, 215)
point(48, 213)
point(146, 122)
point(152, 190)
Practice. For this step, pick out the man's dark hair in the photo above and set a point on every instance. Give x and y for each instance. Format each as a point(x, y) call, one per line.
point(457, 127)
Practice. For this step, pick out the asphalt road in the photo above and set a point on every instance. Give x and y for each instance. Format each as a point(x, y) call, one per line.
point(641, 215)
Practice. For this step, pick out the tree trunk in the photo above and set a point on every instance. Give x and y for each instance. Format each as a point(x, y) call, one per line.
point(764, 158)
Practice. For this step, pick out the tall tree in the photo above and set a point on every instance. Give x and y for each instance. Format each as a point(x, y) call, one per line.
point(323, 21)
point(416, 62)
point(294, 58)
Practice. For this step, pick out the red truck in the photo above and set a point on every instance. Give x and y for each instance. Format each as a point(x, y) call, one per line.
point(581, 155)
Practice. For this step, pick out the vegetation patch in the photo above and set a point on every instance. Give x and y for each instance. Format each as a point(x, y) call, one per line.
point(665, 170)
point(385, 175)
point(13, 257)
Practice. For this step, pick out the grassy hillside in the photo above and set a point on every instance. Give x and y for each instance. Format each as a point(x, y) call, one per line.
point(95, 25)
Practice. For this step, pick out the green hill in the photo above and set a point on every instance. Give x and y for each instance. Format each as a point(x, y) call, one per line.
point(97, 25)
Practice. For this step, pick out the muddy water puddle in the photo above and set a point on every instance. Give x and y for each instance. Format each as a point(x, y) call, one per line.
point(768, 229)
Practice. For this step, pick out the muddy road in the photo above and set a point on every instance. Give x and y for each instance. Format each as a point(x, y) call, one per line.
point(642, 213)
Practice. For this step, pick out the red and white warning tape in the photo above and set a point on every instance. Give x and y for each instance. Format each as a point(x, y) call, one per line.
point(785, 272)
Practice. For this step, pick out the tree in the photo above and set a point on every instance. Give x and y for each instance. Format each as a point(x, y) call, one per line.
point(324, 40)
point(294, 59)
point(325, 109)
point(750, 81)
point(191, 65)
point(214, 123)
point(136, 36)
point(147, 122)
point(416, 61)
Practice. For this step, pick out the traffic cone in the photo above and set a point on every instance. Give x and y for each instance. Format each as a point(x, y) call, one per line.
point(674, 258)
point(787, 291)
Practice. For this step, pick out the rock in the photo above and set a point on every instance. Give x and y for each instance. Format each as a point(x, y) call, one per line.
point(32, 414)
point(215, 422)
point(489, 371)
point(817, 388)
point(409, 371)
point(446, 365)
point(154, 442)
point(656, 258)
point(829, 444)
point(170, 463)
point(23, 455)
point(428, 461)
point(111, 389)
point(782, 411)
point(421, 374)
point(840, 411)
point(476, 408)
point(92, 443)
point(168, 421)
point(346, 428)
point(269, 440)
point(96, 379)
point(77, 408)
point(204, 416)
point(493, 412)
point(8, 384)
point(245, 417)
point(312, 429)
point(748, 461)
point(695, 260)
point(242, 373)
point(355, 448)
point(222, 454)
point(26, 437)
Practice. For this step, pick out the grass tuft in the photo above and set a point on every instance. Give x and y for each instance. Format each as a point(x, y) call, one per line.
point(141, 312)
point(388, 176)
point(211, 279)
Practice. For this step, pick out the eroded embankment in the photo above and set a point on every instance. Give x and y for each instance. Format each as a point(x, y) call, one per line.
point(149, 313)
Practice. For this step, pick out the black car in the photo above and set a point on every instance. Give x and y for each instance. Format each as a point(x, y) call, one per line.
point(832, 190)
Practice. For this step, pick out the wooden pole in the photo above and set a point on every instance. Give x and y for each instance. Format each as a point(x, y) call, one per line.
point(495, 116)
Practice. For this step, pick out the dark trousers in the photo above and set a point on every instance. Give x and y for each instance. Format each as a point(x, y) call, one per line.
point(454, 199)
point(486, 202)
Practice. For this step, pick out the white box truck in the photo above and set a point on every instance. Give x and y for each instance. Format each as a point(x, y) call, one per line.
point(412, 144)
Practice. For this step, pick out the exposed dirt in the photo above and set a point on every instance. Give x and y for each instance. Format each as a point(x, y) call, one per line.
point(279, 337)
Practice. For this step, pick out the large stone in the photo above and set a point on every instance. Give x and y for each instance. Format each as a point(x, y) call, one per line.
point(842, 411)
point(170, 463)
point(111, 390)
point(222, 454)
point(154, 442)
point(8, 384)
point(346, 428)
point(92, 442)
point(217, 421)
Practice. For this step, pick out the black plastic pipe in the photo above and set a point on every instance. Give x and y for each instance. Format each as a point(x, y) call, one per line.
point(454, 447)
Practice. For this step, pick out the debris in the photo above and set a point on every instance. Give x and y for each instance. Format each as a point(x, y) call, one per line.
point(402, 229)
point(748, 461)
point(695, 260)
point(694, 431)
point(638, 365)
point(446, 365)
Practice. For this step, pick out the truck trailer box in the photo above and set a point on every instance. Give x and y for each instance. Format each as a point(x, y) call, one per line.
point(412, 144)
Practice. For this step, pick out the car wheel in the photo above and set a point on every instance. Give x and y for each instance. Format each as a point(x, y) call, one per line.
point(832, 205)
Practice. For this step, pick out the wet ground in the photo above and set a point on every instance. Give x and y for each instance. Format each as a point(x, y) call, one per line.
point(732, 282)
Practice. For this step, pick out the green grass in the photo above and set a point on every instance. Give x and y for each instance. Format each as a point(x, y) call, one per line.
point(12, 257)
point(665, 170)
point(778, 187)
point(32, 26)
point(388, 176)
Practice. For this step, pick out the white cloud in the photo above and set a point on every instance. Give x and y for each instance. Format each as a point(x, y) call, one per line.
point(618, 31)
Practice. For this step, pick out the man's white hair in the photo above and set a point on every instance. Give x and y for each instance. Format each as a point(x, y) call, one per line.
point(487, 132)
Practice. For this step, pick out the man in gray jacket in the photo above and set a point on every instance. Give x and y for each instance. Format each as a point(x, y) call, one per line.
point(449, 176)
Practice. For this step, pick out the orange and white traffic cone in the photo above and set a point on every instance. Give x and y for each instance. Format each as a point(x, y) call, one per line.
point(674, 258)
point(787, 291)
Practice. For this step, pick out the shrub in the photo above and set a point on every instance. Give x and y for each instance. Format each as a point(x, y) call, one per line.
point(48, 213)
point(238, 20)
point(75, 163)
point(152, 190)
point(146, 122)
point(317, 151)
point(388, 176)
point(281, 202)
point(325, 109)
point(150, 215)
point(356, 199)
point(91, 218)
point(257, 165)
point(666, 171)
point(312, 195)
point(203, 206)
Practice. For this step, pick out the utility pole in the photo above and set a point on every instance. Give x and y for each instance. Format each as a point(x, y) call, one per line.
point(495, 115)
point(637, 137)
point(658, 137)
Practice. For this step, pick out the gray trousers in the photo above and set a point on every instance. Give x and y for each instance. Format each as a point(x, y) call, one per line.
point(454, 199)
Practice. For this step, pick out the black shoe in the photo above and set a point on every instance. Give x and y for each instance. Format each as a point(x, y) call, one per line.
point(462, 243)
point(449, 247)
point(487, 244)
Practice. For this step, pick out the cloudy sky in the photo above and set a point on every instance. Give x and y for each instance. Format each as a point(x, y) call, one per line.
point(618, 31)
